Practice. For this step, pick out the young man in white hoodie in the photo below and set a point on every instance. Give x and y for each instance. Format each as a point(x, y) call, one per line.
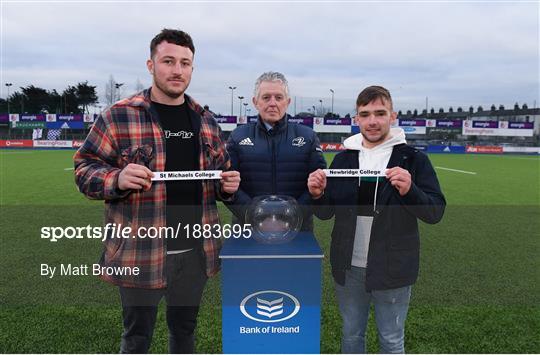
point(375, 242)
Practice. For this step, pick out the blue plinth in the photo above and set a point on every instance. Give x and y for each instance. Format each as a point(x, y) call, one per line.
point(271, 296)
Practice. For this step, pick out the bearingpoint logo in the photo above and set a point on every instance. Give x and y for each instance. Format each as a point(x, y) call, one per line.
point(263, 306)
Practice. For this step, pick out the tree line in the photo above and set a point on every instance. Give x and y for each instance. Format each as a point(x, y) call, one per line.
point(73, 100)
point(33, 99)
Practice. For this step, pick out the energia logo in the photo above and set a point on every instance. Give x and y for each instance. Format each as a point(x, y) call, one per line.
point(269, 306)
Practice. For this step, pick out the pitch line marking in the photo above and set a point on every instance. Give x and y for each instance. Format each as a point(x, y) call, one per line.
point(531, 157)
point(456, 170)
point(69, 169)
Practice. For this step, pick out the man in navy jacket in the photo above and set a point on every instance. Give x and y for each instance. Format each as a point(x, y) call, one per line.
point(375, 242)
point(273, 156)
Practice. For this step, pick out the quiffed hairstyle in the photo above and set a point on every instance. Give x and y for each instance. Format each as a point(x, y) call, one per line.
point(168, 35)
point(373, 93)
point(271, 76)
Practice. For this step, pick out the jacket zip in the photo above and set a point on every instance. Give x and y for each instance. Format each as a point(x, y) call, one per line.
point(274, 183)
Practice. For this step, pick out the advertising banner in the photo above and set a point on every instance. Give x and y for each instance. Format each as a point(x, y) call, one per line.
point(522, 150)
point(89, 118)
point(306, 121)
point(77, 144)
point(227, 123)
point(341, 121)
point(332, 125)
point(413, 126)
point(485, 124)
point(414, 130)
point(70, 118)
point(449, 124)
point(32, 118)
point(480, 128)
point(332, 147)
point(53, 144)
point(513, 129)
point(456, 149)
point(15, 143)
point(225, 119)
point(495, 128)
point(247, 119)
point(516, 125)
point(484, 149)
point(411, 123)
point(65, 125)
point(4, 119)
point(27, 125)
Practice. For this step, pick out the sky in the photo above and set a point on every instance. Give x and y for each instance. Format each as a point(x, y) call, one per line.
point(452, 53)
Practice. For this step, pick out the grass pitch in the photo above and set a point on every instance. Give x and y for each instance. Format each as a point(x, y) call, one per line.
point(478, 289)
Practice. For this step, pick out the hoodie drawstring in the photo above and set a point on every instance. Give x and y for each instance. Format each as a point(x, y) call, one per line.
point(362, 153)
point(375, 197)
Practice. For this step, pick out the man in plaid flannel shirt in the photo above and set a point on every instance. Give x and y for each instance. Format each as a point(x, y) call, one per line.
point(116, 163)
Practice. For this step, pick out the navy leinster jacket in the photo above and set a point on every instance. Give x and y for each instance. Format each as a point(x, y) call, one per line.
point(275, 162)
point(394, 246)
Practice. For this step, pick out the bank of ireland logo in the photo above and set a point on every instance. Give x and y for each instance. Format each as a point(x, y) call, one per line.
point(269, 306)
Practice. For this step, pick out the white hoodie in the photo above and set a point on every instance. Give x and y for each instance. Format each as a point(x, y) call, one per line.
point(375, 158)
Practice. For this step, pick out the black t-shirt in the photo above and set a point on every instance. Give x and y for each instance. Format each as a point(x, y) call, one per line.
point(184, 197)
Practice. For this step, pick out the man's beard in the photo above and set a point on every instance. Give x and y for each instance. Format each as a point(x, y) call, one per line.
point(169, 93)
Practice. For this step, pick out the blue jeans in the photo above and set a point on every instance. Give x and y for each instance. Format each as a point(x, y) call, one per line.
point(391, 308)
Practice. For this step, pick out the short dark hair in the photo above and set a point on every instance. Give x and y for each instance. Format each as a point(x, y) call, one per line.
point(372, 93)
point(168, 35)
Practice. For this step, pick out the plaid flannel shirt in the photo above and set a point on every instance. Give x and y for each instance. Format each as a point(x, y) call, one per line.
point(129, 132)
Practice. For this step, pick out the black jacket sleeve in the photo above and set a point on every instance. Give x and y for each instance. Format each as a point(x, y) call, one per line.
point(324, 207)
point(316, 161)
point(425, 199)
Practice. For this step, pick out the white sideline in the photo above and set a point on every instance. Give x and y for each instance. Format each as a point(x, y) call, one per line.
point(528, 157)
point(456, 170)
point(69, 169)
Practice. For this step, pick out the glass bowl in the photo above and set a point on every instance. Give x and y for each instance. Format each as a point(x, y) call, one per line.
point(274, 219)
